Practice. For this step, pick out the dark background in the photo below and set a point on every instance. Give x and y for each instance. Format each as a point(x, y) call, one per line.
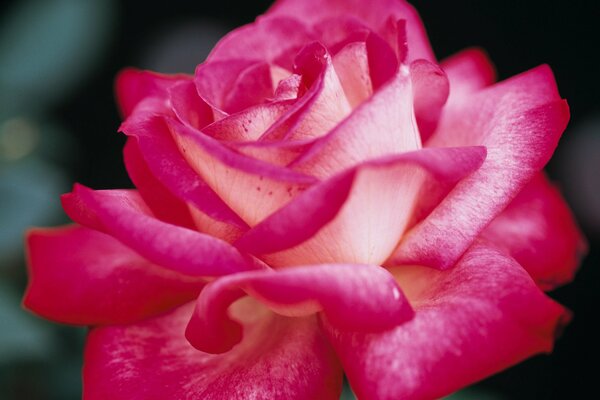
point(67, 107)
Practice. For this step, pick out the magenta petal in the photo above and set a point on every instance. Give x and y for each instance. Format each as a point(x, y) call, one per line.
point(336, 32)
point(274, 40)
point(123, 215)
point(279, 358)
point(253, 85)
point(430, 88)
point(383, 62)
point(361, 298)
point(482, 316)
point(132, 86)
point(84, 277)
point(519, 121)
point(538, 230)
point(229, 86)
point(468, 71)
point(359, 215)
point(161, 201)
point(394, 32)
point(374, 16)
point(188, 106)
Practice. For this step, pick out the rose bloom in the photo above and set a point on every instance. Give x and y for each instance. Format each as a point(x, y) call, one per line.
point(321, 197)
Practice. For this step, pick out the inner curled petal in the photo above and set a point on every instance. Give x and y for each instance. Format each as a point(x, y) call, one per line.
point(357, 298)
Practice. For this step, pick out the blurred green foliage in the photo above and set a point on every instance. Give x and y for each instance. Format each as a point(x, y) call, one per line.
point(47, 48)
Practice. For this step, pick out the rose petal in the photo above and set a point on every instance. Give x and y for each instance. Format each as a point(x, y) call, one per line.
point(229, 86)
point(355, 297)
point(383, 125)
point(474, 320)
point(374, 16)
point(165, 163)
point(383, 62)
point(288, 88)
point(280, 153)
point(431, 88)
point(84, 277)
point(188, 106)
point(468, 72)
point(133, 85)
point(519, 121)
point(359, 215)
point(123, 215)
point(336, 32)
point(394, 32)
point(253, 85)
point(240, 130)
point(275, 40)
point(249, 124)
point(161, 201)
point(351, 65)
point(323, 103)
point(279, 358)
point(251, 187)
point(538, 230)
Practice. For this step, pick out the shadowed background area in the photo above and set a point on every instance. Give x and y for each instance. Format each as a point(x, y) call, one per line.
point(58, 125)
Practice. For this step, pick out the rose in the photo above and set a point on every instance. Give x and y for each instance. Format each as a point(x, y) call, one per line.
point(334, 199)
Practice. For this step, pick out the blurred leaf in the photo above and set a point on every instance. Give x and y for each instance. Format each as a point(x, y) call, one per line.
point(66, 378)
point(347, 393)
point(47, 46)
point(29, 195)
point(22, 137)
point(22, 336)
point(474, 394)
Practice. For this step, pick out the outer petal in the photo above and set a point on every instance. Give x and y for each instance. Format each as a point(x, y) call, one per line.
point(355, 297)
point(375, 16)
point(359, 215)
point(123, 214)
point(520, 122)
point(468, 72)
point(132, 86)
point(84, 277)
point(279, 358)
point(538, 230)
point(474, 320)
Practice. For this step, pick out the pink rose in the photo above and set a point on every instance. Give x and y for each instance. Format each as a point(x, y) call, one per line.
point(321, 197)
